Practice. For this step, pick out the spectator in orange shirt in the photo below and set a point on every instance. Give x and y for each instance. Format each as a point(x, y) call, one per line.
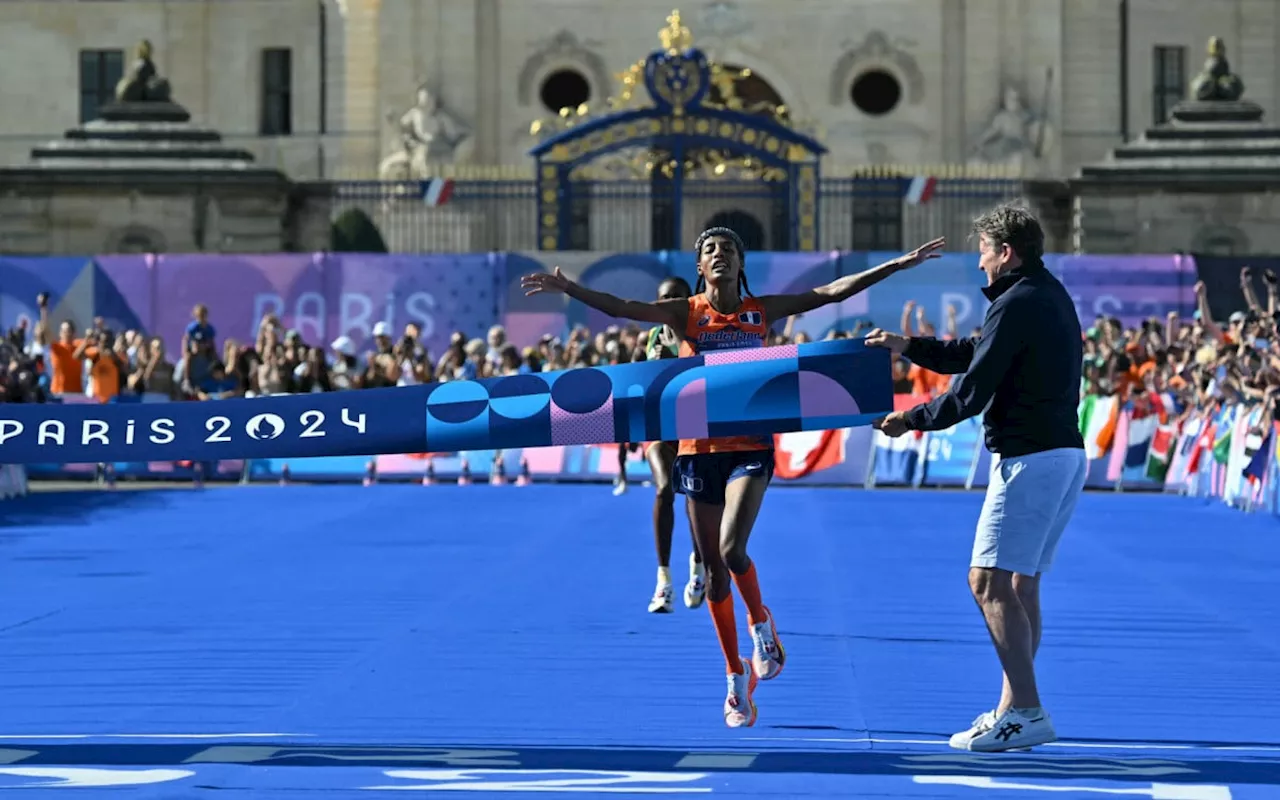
point(923, 381)
point(105, 367)
point(66, 374)
point(67, 369)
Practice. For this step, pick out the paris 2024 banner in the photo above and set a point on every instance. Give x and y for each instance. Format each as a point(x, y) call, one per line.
point(324, 296)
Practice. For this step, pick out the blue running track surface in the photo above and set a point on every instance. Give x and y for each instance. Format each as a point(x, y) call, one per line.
point(333, 642)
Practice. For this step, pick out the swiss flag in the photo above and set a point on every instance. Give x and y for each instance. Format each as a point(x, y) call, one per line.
point(803, 453)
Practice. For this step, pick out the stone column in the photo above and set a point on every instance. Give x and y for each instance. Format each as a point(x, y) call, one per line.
point(488, 82)
point(362, 129)
point(952, 106)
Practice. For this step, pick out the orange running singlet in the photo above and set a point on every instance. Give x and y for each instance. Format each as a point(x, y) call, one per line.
point(709, 330)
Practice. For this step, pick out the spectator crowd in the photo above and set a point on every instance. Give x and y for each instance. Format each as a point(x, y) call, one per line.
point(1167, 366)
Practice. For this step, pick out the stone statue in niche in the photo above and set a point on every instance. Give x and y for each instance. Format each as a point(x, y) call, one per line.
point(143, 83)
point(1016, 138)
point(879, 153)
point(1216, 81)
point(429, 136)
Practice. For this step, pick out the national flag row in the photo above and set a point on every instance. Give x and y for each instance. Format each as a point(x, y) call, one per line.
point(1226, 451)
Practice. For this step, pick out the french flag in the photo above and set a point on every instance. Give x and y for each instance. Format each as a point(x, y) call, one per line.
point(436, 191)
point(1256, 470)
point(920, 190)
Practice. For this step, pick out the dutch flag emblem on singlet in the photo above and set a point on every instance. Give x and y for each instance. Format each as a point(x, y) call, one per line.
point(751, 318)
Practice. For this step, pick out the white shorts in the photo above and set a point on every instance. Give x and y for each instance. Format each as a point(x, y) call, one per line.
point(1029, 502)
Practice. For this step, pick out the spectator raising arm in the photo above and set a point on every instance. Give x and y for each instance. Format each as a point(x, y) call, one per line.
point(1206, 316)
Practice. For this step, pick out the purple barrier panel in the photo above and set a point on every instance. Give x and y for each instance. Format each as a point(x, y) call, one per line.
point(441, 293)
point(67, 280)
point(634, 276)
point(1131, 288)
point(124, 291)
point(239, 291)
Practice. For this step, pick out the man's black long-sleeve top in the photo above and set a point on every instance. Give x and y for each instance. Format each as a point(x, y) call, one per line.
point(1023, 370)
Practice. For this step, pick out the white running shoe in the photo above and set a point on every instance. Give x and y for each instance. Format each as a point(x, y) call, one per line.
point(981, 725)
point(695, 591)
point(663, 599)
point(619, 488)
point(767, 654)
point(1014, 731)
point(739, 706)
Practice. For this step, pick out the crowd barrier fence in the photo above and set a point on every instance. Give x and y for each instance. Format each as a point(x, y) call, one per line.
point(1227, 454)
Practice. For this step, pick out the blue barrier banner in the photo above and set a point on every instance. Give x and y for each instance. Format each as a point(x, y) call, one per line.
point(816, 386)
point(951, 453)
point(898, 460)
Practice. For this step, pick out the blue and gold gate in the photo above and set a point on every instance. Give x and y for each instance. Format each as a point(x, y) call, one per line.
point(680, 129)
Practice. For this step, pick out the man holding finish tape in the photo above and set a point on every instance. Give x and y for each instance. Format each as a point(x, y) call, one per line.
point(1023, 371)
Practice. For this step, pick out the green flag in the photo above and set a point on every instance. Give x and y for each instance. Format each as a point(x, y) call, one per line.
point(1222, 448)
point(1085, 412)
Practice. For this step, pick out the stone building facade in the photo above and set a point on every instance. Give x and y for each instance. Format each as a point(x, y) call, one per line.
point(352, 89)
point(1048, 85)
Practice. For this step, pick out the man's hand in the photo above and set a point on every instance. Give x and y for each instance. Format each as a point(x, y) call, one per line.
point(893, 425)
point(890, 341)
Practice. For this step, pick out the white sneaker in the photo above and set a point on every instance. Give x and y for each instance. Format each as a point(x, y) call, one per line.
point(662, 602)
point(739, 706)
point(695, 591)
point(1013, 731)
point(985, 722)
point(619, 488)
point(767, 653)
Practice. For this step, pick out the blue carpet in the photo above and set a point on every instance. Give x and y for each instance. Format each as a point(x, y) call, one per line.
point(302, 641)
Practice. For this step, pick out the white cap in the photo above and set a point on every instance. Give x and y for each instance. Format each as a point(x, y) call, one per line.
point(344, 345)
point(382, 329)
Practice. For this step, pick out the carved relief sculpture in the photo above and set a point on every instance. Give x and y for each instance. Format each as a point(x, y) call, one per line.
point(428, 137)
point(1016, 139)
point(143, 83)
point(1216, 81)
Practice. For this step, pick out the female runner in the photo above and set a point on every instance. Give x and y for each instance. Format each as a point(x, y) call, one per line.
point(724, 480)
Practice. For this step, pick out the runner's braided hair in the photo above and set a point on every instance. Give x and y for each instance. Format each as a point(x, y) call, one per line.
point(725, 233)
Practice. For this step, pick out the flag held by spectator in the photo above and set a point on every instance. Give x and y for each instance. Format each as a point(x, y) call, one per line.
point(1222, 448)
point(1098, 419)
point(898, 461)
point(1256, 470)
point(797, 455)
point(1161, 452)
point(1203, 444)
